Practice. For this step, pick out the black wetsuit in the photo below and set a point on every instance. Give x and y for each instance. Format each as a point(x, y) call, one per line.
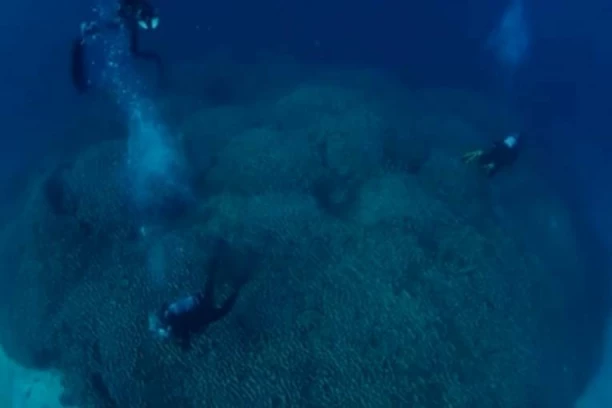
point(134, 15)
point(194, 313)
point(501, 155)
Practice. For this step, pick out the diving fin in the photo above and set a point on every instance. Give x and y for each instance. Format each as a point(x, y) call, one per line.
point(79, 74)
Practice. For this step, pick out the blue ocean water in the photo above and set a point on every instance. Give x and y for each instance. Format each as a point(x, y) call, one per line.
point(323, 140)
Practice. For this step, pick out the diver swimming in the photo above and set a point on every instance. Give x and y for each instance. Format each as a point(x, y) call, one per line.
point(133, 15)
point(192, 314)
point(501, 155)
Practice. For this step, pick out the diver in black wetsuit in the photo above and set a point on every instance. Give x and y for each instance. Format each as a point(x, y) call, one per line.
point(502, 154)
point(192, 314)
point(134, 15)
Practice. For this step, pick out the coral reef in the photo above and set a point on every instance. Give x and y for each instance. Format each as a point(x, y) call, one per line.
point(390, 274)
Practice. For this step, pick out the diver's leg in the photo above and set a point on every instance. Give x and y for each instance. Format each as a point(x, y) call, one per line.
point(489, 162)
point(487, 158)
point(219, 251)
point(184, 341)
point(242, 279)
point(492, 170)
point(207, 298)
point(79, 73)
point(220, 312)
point(147, 55)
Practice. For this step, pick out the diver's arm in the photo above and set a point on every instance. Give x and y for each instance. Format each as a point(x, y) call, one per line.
point(78, 72)
point(89, 31)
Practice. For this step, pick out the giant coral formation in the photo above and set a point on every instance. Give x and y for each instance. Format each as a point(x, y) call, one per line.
point(380, 284)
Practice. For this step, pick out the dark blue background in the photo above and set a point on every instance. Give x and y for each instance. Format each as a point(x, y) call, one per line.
point(437, 42)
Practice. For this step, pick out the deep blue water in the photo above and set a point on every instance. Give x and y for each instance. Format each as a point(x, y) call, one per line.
point(562, 86)
point(564, 78)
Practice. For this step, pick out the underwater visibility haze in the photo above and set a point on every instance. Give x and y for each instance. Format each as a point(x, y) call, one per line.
point(306, 204)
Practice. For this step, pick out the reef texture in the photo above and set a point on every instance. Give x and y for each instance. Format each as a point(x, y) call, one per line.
point(389, 274)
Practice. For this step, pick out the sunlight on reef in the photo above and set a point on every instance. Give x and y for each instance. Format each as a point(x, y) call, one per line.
point(26, 388)
point(388, 274)
point(599, 392)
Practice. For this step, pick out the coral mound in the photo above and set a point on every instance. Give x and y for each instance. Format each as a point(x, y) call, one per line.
point(386, 276)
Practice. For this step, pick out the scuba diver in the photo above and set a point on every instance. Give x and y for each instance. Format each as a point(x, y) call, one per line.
point(502, 154)
point(193, 314)
point(134, 15)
